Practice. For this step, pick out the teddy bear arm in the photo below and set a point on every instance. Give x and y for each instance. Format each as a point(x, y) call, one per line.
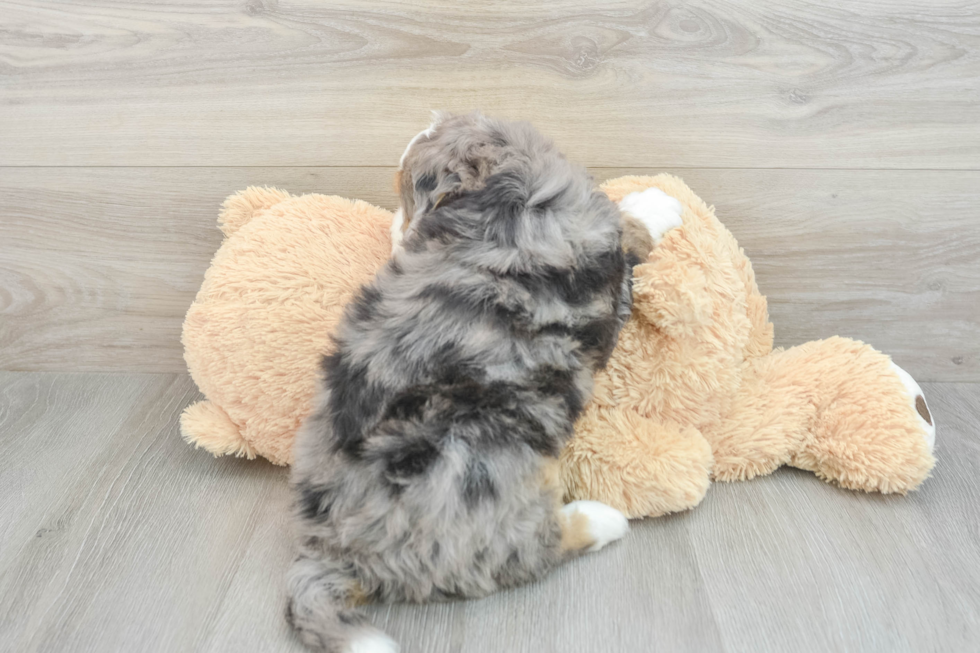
point(672, 295)
point(637, 465)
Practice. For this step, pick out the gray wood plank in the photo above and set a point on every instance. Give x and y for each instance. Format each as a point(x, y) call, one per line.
point(802, 563)
point(98, 266)
point(117, 536)
point(791, 83)
point(124, 538)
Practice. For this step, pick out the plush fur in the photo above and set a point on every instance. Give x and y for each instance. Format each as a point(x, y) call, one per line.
point(263, 317)
point(695, 390)
point(427, 469)
point(693, 384)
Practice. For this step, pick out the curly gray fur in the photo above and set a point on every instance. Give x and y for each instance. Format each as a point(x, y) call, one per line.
point(457, 377)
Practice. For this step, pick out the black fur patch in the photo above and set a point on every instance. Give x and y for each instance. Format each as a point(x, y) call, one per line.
point(408, 405)
point(468, 303)
point(556, 382)
point(601, 275)
point(438, 226)
point(503, 200)
point(364, 308)
point(312, 501)
point(411, 458)
point(453, 368)
point(598, 336)
point(535, 436)
point(477, 484)
point(354, 401)
point(426, 183)
point(452, 298)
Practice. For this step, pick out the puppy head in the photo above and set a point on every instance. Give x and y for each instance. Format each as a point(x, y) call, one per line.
point(454, 155)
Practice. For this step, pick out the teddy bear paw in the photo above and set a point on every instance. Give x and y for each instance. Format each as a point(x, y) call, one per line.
point(658, 211)
point(918, 401)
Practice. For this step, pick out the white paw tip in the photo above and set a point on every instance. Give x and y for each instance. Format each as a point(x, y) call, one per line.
point(606, 524)
point(372, 642)
point(657, 210)
point(917, 399)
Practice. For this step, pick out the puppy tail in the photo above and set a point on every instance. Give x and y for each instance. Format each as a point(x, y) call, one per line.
point(321, 596)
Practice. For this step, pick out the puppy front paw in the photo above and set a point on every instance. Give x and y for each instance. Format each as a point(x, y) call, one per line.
point(658, 211)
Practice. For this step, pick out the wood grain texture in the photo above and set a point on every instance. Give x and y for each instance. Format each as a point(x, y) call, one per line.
point(99, 265)
point(118, 536)
point(789, 83)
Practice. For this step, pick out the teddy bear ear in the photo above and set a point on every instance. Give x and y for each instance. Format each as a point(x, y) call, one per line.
point(239, 208)
point(672, 297)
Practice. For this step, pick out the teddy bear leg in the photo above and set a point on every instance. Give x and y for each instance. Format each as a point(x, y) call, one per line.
point(207, 426)
point(872, 429)
point(639, 466)
point(765, 424)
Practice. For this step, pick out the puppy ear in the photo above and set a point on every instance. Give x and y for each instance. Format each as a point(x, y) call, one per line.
point(458, 155)
point(431, 188)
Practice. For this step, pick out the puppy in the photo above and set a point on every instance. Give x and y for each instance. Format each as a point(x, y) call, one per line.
point(429, 467)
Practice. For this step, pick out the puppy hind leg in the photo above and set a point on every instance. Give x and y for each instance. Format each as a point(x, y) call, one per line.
point(584, 525)
point(589, 525)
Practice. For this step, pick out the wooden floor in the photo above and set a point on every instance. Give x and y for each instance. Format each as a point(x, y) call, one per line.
point(839, 141)
point(118, 537)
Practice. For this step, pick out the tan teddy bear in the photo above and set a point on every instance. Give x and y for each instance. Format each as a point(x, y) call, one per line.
point(693, 389)
point(694, 384)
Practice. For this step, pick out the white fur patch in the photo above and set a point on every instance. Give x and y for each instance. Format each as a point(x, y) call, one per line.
point(929, 430)
point(425, 132)
point(396, 231)
point(606, 524)
point(372, 642)
point(657, 210)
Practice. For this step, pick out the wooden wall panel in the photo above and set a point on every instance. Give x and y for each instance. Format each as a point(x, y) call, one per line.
point(98, 265)
point(792, 83)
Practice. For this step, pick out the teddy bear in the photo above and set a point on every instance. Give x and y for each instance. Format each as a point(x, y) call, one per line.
point(693, 392)
point(694, 389)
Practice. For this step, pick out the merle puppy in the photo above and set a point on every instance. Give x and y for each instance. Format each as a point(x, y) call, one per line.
point(428, 469)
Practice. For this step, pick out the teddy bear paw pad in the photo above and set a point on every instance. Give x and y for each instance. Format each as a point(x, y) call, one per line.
point(918, 400)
